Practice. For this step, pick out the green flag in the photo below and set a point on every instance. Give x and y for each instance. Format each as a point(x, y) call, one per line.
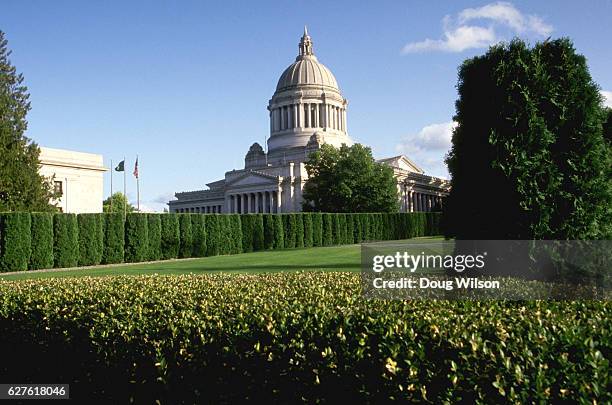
point(120, 166)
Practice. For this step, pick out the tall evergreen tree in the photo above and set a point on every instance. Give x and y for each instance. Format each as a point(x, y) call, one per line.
point(22, 188)
point(528, 159)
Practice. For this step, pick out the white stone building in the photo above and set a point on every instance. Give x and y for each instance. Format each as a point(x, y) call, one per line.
point(77, 176)
point(306, 111)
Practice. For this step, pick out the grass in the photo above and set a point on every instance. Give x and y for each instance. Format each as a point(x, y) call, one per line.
point(333, 258)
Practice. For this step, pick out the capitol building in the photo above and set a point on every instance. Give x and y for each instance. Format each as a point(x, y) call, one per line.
point(306, 111)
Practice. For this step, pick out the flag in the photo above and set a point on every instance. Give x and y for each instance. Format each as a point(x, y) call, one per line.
point(120, 166)
point(136, 168)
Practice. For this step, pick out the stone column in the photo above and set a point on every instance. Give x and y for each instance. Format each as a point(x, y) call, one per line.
point(294, 108)
point(279, 202)
point(344, 119)
point(256, 203)
point(270, 201)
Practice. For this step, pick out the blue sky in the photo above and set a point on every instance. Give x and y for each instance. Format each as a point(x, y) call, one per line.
point(185, 84)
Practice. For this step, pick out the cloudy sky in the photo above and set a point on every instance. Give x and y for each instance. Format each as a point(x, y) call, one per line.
point(185, 85)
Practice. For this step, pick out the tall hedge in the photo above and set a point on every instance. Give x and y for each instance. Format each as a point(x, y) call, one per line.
point(136, 238)
point(225, 235)
point(308, 231)
point(198, 231)
point(170, 236)
point(91, 239)
point(65, 240)
point(252, 232)
point(212, 234)
point(279, 232)
point(328, 235)
point(236, 233)
point(299, 230)
point(154, 234)
point(114, 239)
point(317, 229)
point(268, 224)
point(41, 255)
point(186, 236)
point(336, 231)
point(15, 241)
point(350, 229)
point(289, 226)
point(258, 232)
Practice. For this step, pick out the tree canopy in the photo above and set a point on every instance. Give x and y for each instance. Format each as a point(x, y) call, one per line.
point(22, 188)
point(348, 179)
point(528, 158)
point(119, 202)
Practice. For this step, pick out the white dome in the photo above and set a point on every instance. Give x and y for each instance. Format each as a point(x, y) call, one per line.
point(306, 70)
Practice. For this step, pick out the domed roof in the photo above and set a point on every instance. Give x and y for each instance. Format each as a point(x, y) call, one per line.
point(306, 70)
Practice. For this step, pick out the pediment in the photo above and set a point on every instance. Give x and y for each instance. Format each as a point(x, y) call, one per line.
point(403, 163)
point(253, 178)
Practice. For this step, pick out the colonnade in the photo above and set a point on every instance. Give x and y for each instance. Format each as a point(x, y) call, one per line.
point(308, 115)
point(414, 201)
point(209, 209)
point(258, 202)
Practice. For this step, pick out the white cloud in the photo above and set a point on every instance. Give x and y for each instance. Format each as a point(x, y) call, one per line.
point(506, 14)
point(462, 32)
point(457, 40)
point(607, 95)
point(428, 147)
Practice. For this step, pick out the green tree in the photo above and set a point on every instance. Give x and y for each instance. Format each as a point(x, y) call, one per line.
point(348, 179)
point(119, 202)
point(528, 159)
point(22, 188)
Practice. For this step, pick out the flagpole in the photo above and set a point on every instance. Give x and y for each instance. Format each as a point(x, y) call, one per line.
point(112, 169)
point(137, 186)
point(124, 192)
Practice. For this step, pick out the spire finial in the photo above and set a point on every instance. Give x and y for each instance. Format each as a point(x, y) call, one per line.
point(305, 44)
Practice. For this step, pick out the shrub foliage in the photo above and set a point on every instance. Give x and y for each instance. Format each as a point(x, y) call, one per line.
point(298, 337)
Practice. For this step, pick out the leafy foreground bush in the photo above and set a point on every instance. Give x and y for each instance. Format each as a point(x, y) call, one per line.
point(296, 337)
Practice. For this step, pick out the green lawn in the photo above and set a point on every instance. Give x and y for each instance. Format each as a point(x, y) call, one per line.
point(345, 258)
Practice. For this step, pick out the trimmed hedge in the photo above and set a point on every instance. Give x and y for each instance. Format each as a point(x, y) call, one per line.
point(279, 232)
point(298, 337)
point(198, 230)
point(236, 234)
point(213, 235)
point(41, 256)
point(268, 224)
point(253, 237)
point(15, 241)
point(299, 230)
point(136, 238)
point(114, 238)
point(154, 236)
point(65, 240)
point(186, 236)
point(328, 231)
point(308, 231)
point(91, 239)
point(170, 236)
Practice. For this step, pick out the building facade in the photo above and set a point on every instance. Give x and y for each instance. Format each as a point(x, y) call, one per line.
point(78, 177)
point(306, 111)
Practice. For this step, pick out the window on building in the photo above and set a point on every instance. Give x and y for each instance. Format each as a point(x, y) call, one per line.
point(58, 188)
